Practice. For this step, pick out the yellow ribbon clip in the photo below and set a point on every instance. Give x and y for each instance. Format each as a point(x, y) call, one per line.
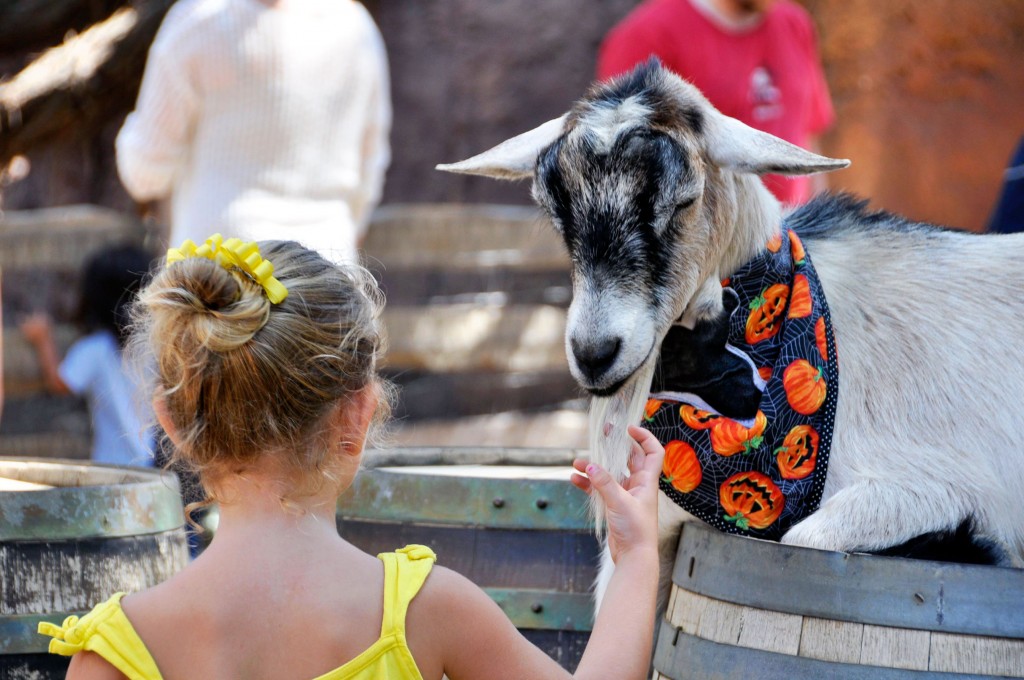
point(234, 253)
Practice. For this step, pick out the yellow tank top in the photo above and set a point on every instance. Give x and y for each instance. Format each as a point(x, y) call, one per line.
point(108, 632)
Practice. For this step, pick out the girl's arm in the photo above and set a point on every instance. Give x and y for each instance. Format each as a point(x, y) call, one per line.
point(456, 629)
point(38, 330)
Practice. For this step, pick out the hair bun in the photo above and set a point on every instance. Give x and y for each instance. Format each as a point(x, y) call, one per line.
point(221, 309)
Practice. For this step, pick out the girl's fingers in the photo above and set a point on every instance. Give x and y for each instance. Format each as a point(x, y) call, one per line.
point(606, 486)
point(653, 453)
point(582, 483)
point(636, 458)
point(579, 477)
point(647, 441)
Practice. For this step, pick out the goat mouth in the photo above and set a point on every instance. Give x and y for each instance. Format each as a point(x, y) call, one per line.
point(618, 385)
point(608, 391)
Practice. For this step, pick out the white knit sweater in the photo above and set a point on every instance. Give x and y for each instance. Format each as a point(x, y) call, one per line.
point(263, 122)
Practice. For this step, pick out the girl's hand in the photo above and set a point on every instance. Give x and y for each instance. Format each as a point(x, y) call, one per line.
point(631, 509)
point(37, 328)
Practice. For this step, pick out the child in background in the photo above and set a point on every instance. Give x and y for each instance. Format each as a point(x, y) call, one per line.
point(266, 384)
point(93, 367)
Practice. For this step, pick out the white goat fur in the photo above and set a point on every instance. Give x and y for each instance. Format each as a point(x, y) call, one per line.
point(929, 328)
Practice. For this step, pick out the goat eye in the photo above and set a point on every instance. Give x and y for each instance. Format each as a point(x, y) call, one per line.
point(683, 206)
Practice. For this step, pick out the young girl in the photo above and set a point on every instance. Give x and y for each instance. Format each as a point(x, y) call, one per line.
point(267, 385)
point(93, 367)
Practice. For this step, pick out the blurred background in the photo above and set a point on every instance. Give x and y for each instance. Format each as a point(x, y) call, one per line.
point(928, 97)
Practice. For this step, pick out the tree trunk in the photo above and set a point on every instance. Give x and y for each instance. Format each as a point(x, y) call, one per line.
point(73, 89)
point(27, 25)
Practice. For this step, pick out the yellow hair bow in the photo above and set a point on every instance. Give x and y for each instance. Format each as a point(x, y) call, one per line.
point(234, 253)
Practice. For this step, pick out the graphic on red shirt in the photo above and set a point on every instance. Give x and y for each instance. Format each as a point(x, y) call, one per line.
point(765, 98)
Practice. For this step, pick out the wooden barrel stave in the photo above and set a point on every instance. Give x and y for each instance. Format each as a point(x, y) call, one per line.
point(739, 603)
point(45, 576)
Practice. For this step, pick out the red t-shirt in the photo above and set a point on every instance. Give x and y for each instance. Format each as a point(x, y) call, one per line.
point(767, 75)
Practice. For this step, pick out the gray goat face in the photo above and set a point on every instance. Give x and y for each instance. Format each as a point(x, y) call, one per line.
point(626, 197)
point(633, 178)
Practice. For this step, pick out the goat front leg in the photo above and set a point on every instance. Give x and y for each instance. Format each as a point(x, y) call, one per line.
point(873, 515)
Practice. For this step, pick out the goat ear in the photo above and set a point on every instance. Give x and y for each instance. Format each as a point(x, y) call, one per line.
point(512, 159)
point(739, 147)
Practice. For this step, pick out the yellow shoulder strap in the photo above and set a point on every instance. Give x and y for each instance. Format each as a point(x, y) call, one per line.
point(107, 632)
point(404, 573)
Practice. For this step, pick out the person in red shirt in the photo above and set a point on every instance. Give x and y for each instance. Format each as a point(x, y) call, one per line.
point(755, 60)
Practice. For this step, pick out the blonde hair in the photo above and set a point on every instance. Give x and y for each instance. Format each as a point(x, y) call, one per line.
point(242, 379)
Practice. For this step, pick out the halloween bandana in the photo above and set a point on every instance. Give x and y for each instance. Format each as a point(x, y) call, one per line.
point(759, 477)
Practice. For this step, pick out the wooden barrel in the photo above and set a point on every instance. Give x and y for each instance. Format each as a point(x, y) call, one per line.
point(507, 519)
point(743, 608)
point(71, 535)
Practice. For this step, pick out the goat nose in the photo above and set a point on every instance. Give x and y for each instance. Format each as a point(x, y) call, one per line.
point(596, 357)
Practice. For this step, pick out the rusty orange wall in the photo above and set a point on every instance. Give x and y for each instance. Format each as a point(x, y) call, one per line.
point(930, 101)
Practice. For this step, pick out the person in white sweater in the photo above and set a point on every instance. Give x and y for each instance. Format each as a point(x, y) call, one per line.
point(263, 119)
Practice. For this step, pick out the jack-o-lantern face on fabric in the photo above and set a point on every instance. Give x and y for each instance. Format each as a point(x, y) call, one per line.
point(729, 437)
point(805, 387)
point(651, 408)
point(697, 419)
point(681, 468)
point(775, 242)
point(766, 310)
point(799, 452)
point(751, 500)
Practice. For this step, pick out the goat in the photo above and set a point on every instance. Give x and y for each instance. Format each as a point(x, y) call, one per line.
point(657, 198)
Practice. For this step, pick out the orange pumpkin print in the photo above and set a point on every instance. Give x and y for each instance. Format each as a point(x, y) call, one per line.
point(800, 300)
point(765, 318)
point(696, 419)
point(805, 387)
point(651, 408)
point(681, 468)
point(775, 242)
point(765, 372)
point(751, 500)
point(796, 248)
point(729, 437)
point(799, 452)
point(819, 338)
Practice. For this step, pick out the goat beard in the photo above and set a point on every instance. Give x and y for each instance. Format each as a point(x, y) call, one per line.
point(608, 422)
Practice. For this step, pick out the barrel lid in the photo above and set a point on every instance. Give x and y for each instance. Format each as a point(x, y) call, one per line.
point(62, 499)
